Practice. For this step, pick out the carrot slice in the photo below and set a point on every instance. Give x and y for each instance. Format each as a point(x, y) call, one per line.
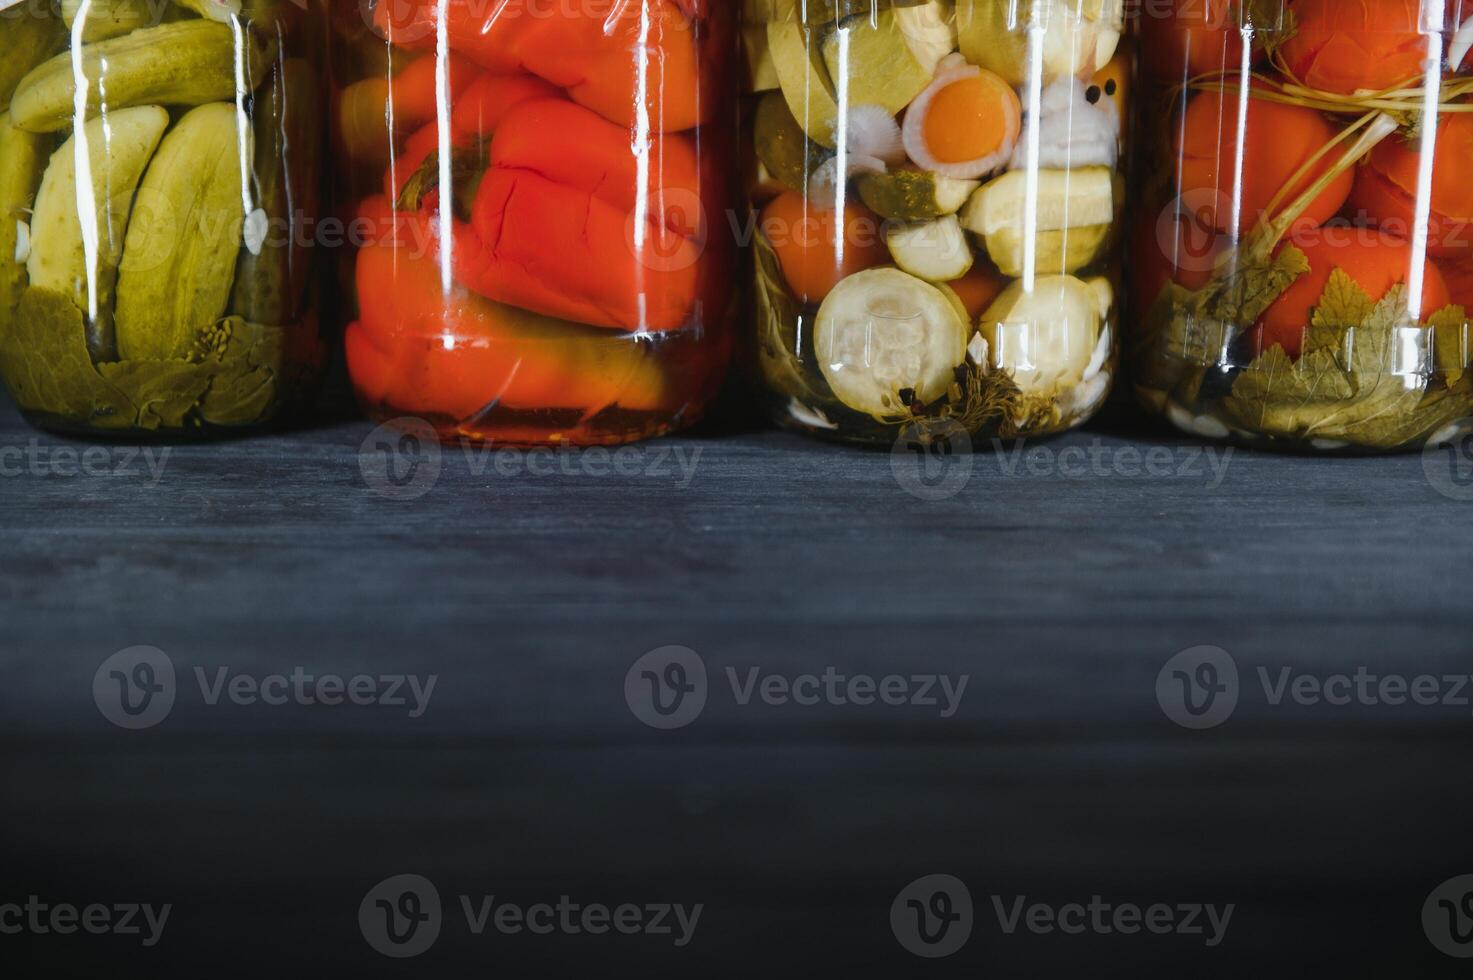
point(972, 118)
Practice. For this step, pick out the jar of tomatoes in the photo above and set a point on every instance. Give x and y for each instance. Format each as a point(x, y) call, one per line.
point(538, 193)
point(160, 176)
point(936, 190)
point(1303, 260)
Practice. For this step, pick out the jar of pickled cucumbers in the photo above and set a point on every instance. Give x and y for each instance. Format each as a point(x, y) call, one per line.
point(1303, 256)
point(539, 194)
point(160, 173)
point(936, 190)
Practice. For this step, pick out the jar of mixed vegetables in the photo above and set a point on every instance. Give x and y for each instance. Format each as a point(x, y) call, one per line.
point(539, 193)
point(936, 192)
point(160, 168)
point(1303, 259)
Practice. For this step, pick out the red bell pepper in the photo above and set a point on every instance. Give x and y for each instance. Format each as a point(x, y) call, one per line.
point(570, 223)
point(624, 59)
point(422, 348)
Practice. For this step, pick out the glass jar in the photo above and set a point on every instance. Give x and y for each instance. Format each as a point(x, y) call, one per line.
point(1304, 246)
point(160, 173)
point(538, 193)
point(936, 190)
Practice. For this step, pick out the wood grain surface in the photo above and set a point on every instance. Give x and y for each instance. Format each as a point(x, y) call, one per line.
point(529, 591)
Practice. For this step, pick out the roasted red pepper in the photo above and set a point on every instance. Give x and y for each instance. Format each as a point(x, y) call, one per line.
point(635, 62)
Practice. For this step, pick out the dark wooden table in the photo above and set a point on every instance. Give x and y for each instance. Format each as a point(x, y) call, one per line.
point(530, 584)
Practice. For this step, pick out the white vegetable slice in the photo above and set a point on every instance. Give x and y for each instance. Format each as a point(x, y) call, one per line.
point(871, 131)
point(1046, 337)
point(936, 251)
point(882, 332)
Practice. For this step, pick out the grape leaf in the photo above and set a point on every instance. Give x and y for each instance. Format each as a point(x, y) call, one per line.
point(232, 379)
point(1362, 382)
point(44, 359)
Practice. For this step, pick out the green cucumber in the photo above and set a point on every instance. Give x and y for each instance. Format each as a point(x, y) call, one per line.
point(179, 263)
point(22, 162)
point(188, 63)
point(914, 195)
point(76, 254)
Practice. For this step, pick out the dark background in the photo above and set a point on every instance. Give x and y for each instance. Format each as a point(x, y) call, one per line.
point(529, 776)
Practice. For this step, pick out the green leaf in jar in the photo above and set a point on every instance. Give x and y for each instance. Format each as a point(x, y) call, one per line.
point(231, 379)
point(1204, 323)
point(1348, 386)
point(44, 359)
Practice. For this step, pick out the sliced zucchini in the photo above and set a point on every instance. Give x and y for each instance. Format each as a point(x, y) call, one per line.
point(936, 250)
point(1046, 337)
point(882, 332)
point(877, 63)
point(1073, 213)
point(761, 72)
point(914, 195)
point(804, 80)
point(931, 28)
point(814, 13)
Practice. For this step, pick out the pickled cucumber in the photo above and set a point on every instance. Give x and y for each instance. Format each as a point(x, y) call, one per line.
point(183, 240)
point(77, 232)
point(914, 195)
point(270, 282)
point(22, 162)
point(191, 62)
point(29, 40)
point(1073, 213)
point(1045, 337)
point(885, 338)
point(789, 156)
point(107, 18)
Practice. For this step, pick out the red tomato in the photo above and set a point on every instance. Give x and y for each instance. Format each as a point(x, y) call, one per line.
point(1386, 187)
point(1347, 45)
point(1196, 37)
point(1278, 140)
point(1373, 258)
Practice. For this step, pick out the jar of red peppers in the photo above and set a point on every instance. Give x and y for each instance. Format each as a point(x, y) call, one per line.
point(936, 191)
point(539, 193)
point(1303, 258)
